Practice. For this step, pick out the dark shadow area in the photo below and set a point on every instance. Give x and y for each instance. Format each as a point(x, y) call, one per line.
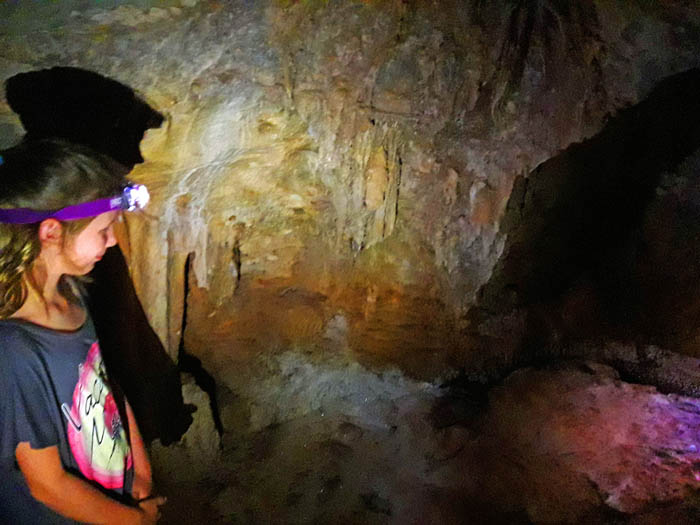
point(83, 107)
point(575, 226)
point(133, 353)
point(87, 108)
point(192, 365)
point(666, 265)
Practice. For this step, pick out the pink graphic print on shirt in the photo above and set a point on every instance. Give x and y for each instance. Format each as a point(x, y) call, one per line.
point(95, 433)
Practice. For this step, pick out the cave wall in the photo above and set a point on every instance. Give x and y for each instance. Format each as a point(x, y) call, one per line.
point(331, 175)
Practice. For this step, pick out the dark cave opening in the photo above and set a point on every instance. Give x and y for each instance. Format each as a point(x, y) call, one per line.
point(87, 108)
point(590, 238)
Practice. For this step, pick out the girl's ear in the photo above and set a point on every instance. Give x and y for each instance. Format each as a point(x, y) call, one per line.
point(50, 232)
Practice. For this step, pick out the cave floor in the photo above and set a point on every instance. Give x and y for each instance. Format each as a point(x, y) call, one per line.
point(570, 443)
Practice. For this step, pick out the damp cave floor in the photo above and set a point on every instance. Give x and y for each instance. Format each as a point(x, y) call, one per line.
point(570, 443)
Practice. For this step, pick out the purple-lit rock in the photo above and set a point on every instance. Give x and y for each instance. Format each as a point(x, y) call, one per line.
point(574, 438)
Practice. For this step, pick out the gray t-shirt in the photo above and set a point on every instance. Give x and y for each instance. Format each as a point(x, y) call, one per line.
point(54, 392)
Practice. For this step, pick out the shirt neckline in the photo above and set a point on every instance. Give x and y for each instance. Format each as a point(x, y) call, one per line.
point(42, 328)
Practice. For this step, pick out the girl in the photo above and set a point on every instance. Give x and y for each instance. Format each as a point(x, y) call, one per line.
point(66, 454)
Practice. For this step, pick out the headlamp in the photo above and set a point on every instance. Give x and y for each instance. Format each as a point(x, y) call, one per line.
point(134, 197)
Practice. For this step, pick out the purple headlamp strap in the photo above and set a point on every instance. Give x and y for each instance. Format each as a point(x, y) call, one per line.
point(134, 196)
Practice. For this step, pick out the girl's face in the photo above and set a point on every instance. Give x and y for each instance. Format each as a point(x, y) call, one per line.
point(81, 252)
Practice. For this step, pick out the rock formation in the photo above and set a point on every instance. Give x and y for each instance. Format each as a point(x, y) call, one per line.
point(344, 163)
point(355, 201)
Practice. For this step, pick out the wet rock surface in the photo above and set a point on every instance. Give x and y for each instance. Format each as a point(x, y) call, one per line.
point(570, 443)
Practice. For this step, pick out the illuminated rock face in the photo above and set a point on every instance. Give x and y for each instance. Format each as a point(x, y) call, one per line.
point(334, 175)
point(601, 442)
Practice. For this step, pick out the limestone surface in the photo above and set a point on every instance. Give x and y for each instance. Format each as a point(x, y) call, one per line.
point(326, 160)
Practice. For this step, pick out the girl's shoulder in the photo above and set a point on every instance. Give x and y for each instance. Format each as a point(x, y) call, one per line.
point(17, 346)
point(12, 329)
point(14, 337)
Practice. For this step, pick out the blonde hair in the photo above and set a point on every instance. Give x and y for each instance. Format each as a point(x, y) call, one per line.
point(46, 174)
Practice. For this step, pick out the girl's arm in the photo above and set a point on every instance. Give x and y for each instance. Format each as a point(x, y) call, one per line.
point(143, 481)
point(72, 497)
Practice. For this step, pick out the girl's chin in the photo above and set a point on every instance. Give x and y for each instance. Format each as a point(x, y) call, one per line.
point(86, 269)
point(80, 269)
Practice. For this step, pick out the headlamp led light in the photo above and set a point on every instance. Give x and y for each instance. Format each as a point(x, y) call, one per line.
point(134, 197)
